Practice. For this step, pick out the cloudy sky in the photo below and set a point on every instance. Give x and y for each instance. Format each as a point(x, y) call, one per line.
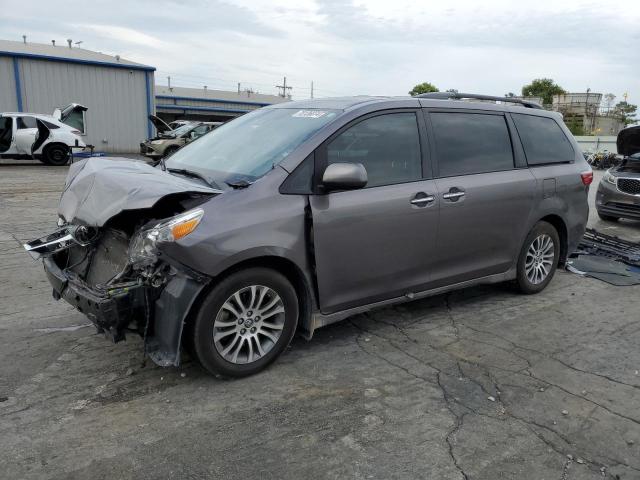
point(353, 46)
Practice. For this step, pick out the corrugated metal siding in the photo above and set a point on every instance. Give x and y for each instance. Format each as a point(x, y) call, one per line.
point(116, 99)
point(8, 102)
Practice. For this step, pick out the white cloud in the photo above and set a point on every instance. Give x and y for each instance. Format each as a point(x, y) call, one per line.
point(357, 46)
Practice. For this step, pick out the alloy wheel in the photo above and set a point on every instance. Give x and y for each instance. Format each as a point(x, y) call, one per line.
point(249, 324)
point(539, 259)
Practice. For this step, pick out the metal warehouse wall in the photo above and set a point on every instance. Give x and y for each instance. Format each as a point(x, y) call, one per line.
point(8, 101)
point(116, 98)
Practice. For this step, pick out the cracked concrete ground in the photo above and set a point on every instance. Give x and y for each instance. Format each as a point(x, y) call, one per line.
point(479, 384)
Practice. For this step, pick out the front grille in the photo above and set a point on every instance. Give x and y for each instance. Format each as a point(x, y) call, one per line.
point(624, 207)
point(629, 185)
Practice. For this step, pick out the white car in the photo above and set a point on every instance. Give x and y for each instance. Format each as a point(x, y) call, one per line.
point(44, 137)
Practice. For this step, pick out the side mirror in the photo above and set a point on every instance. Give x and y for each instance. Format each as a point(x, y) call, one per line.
point(344, 176)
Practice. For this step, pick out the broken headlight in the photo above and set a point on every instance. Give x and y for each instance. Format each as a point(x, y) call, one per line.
point(142, 249)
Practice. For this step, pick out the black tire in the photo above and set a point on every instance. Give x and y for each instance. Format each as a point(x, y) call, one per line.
point(170, 151)
point(608, 218)
point(523, 280)
point(202, 340)
point(56, 155)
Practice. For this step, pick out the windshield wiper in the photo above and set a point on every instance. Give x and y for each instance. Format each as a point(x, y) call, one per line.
point(192, 174)
point(238, 184)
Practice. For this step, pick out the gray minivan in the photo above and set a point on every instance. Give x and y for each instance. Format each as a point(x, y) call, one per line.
point(300, 214)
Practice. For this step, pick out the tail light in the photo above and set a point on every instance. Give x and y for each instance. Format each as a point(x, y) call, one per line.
point(587, 177)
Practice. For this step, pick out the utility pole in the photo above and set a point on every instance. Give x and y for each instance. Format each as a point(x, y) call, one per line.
point(238, 88)
point(586, 112)
point(311, 88)
point(169, 82)
point(284, 88)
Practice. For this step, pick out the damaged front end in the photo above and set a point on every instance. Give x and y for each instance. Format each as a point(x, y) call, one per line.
point(120, 283)
point(114, 273)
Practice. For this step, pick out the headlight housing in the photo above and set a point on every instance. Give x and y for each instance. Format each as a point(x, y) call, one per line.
point(143, 246)
point(157, 142)
point(609, 178)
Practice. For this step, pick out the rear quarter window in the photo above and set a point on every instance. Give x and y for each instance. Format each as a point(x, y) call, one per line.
point(543, 140)
point(470, 143)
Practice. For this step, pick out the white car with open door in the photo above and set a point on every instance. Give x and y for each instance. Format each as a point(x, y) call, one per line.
point(48, 138)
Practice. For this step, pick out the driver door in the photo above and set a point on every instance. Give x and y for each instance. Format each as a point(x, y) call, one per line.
point(376, 242)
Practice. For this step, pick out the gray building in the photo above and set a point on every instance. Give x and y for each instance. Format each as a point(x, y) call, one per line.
point(173, 103)
point(118, 93)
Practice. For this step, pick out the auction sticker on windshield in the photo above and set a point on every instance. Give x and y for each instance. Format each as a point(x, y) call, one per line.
point(309, 114)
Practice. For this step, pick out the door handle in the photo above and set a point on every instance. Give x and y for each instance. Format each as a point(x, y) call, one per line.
point(421, 201)
point(453, 195)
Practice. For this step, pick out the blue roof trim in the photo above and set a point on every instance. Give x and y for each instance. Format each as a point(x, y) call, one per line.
point(16, 76)
point(147, 84)
point(96, 63)
point(203, 109)
point(212, 100)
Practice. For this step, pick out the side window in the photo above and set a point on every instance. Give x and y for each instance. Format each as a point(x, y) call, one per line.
point(542, 139)
point(50, 125)
point(25, 122)
point(201, 130)
point(76, 119)
point(300, 181)
point(387, 145)
point(468, 143)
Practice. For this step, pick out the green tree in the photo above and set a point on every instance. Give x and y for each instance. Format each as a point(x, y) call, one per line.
point(425, 87)
point(543, 87)
point(574, 127)
point(627, 111)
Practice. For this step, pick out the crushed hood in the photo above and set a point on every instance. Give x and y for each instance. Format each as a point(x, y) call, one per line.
point(628, 141)
point(101, 187)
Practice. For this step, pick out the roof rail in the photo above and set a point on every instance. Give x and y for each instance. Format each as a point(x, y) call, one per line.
point(475, 96)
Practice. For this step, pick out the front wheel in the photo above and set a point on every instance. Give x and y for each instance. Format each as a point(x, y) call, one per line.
point(538, 258)
point(245, 322)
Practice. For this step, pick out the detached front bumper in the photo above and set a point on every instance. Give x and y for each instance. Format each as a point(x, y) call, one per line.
point(110, 311)
point(115, 310)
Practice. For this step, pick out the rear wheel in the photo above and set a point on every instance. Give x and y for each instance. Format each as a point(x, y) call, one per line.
point(245, 322)
point(56, 155)
point(607, 218)
point(538, 258)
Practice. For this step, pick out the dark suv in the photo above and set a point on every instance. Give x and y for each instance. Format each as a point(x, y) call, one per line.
point(618, 194)
point(298, 215)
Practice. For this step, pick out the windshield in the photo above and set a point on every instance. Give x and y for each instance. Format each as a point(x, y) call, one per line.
point(249, 146)
point(178, 132)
